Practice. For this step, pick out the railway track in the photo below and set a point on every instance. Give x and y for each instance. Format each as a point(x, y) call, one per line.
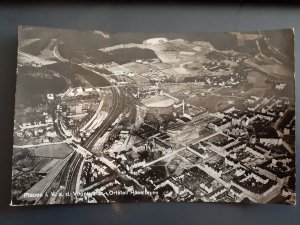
point(113, 115)
point(71, 178)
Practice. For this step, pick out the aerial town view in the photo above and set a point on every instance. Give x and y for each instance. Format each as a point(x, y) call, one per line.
point(154, 117)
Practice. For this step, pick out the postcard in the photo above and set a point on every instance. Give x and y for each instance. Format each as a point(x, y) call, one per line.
point(154, 117)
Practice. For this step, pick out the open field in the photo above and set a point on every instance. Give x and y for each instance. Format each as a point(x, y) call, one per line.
point(25, 58)
point(160, 66)
point(174, 88)
point(26, 42)
point(279, 71)
point(136, 67)
point(52, 151)
point(158, 101)
point(257, 79)
point(212, 102)
point(276, 70)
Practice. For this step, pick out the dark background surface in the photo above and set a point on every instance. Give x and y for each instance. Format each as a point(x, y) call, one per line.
point(169, 17)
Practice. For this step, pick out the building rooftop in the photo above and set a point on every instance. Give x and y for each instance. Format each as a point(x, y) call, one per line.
point(281, 167)
point(146, 131)
point(254, 182)
point(196, 148)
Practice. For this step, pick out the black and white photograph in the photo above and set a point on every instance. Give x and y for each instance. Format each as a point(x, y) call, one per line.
point(154, 117)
